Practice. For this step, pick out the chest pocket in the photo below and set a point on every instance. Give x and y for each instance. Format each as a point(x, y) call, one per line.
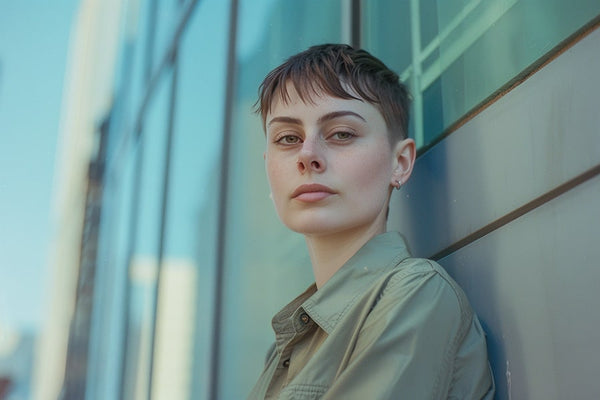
point(302, 392)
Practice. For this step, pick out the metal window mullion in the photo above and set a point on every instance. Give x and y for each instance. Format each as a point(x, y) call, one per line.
point(456, 21)
point(415, 25)
point(154, 74)
point(458, 46)
point(438, 39)
point(215, 360)
point(163, 219)
point(350, 22)
point(135, 210)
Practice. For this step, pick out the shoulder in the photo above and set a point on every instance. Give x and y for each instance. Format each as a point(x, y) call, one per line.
point(423, 286)
point(419, 311)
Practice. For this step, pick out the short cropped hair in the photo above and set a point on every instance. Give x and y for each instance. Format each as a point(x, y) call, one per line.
point(340, 71)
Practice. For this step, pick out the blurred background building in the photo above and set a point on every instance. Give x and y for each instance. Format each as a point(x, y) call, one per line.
point(167, 259)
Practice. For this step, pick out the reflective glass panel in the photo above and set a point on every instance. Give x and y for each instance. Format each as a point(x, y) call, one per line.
point(266, 264)
point(168, 14)
point(187, 293)
point(454, 54)
point(135, 61)
point(110, 292)
point(143, 269)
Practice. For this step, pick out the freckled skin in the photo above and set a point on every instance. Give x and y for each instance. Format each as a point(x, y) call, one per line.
point(349, 153)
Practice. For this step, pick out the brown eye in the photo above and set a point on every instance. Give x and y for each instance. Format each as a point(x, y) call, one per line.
point(342, 135)
point(288, 139)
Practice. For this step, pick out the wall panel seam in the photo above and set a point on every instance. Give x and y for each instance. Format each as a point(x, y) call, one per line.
point(520, 211)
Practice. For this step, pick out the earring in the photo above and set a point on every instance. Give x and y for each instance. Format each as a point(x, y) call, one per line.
point(399, 185)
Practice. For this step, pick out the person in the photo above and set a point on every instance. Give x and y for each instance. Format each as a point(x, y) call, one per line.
point(377, 323)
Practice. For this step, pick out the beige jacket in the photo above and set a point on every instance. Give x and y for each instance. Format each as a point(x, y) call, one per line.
point(385, 326)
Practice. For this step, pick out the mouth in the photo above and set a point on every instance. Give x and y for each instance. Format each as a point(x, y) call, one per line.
point(311, 193)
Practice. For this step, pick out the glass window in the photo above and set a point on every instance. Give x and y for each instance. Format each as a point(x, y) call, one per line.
point(168, 14)
point(107, 330)
point(135, 72)
point(187, 294)
point(266, 265)
point(390, 42)
point(143, 268)
point(462, 51)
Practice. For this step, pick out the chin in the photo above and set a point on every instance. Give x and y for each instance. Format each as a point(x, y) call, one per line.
point(323, 226)
point(327, 221)
point(313, 225)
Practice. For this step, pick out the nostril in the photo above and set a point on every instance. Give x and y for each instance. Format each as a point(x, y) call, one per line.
point(315, 164)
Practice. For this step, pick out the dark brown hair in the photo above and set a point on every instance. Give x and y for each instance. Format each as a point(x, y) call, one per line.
point(340, 71)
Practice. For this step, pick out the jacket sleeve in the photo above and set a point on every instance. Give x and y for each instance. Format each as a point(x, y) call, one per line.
point(420, 341)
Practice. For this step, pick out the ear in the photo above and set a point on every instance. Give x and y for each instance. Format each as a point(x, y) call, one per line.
point(404, 161)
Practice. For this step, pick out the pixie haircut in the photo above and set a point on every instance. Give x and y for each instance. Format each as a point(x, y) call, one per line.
point(339, 70)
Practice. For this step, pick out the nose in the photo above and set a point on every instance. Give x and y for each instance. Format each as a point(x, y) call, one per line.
point(311, 156)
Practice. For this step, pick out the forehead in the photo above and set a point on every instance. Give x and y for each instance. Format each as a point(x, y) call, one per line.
point(318, 103)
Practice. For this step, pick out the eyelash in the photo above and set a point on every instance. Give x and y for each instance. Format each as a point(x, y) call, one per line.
point(283, 139)
point(350, 135)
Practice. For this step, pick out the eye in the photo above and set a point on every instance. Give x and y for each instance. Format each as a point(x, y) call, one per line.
point(343, 135)
point(288, 140)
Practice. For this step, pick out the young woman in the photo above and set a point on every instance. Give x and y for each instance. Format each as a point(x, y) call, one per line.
point(376, 324)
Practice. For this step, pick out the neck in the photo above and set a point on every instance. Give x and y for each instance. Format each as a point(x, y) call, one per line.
point(328, 253)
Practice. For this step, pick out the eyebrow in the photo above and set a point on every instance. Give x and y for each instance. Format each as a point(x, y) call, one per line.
point(288, 120)
point(324, 118)
point(337, 114)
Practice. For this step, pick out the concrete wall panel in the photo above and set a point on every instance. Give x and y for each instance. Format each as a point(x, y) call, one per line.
point(535, 284)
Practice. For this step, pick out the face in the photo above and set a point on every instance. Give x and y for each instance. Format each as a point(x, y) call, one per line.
point(330, 164)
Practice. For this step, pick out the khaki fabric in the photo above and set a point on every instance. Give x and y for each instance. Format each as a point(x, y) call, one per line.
point(385, 326)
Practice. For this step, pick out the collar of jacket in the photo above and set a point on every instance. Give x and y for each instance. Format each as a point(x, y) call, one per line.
point(378, 256)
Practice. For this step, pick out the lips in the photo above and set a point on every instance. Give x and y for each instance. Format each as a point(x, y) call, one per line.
point(312, 192)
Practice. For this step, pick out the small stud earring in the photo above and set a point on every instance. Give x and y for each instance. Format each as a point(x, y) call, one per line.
point(399, 185)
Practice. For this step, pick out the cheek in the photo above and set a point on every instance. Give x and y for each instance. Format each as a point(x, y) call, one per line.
point(275, 175)
point(371, 170)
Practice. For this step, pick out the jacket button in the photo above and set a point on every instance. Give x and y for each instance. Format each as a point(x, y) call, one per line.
point(304, 318)
point(286, 363)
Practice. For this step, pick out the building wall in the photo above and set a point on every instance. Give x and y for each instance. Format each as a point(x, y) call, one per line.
point(508, 204)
